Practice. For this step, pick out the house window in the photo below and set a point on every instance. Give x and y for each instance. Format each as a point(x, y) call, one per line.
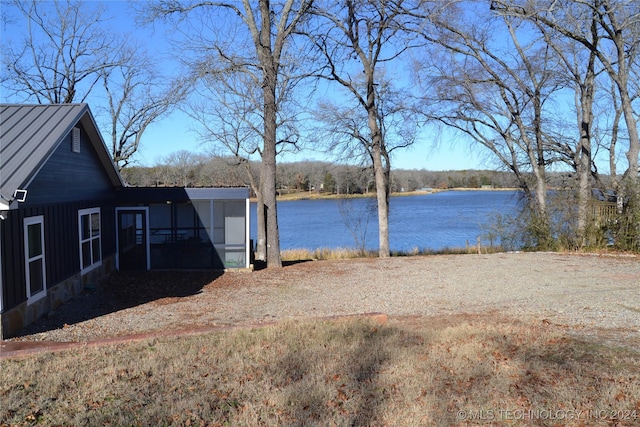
point(35, 265)
point(90, 240)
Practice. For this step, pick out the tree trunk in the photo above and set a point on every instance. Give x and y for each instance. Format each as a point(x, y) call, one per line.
point(261, 244)
point(539, 207)
point(382, 185)
point(584, 175)
point(584, 160)
point(541, 190)
point(268, 170)
point(267, 177)
point(538, 160)
point(621, 78)
point(634, 144)
point(382, 196)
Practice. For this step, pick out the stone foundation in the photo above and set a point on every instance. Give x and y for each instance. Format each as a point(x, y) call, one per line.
point(13, 320)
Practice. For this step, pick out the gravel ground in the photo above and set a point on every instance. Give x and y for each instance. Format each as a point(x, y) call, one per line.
point(589, 295)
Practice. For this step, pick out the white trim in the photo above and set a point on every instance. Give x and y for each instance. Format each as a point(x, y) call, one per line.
point(43, 293)
point(148, 248)
point(94, 264)
point(247, 234)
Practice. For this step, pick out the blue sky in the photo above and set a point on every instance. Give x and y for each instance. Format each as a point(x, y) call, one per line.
point(174, 132)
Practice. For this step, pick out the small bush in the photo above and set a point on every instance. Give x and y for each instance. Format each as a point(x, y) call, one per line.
point(558, 230)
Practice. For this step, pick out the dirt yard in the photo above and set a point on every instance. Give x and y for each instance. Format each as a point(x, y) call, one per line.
point(592, 296)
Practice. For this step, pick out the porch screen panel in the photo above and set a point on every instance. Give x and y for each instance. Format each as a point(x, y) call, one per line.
point(230, 231)
point(205, 233)
point(161, 236)
point(218, 223)
point(193, 245)
point(205, 220)
point(185, 221)
point(160, 223)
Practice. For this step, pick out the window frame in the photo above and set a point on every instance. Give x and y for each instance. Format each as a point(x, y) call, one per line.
point(95, 263)
point(29, 221)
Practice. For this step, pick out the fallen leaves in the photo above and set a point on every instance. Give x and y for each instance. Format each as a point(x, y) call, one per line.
point(338, 373)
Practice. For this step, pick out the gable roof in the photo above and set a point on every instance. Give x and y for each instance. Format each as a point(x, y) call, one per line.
point(29, 135)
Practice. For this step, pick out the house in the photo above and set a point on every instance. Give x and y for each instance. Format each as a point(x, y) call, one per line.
point(67, 219)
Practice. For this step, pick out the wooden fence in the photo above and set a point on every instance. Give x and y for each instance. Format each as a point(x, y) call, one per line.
point(602, 212)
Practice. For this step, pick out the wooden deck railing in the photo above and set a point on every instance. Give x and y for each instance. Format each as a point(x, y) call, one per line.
point(603, 211)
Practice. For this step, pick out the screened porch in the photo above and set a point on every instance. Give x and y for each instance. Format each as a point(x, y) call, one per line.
point(176, 228)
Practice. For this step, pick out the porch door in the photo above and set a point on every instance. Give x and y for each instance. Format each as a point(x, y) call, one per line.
point(132, 239)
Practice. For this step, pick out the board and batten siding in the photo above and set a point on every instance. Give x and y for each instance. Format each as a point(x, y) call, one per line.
point(61, 240)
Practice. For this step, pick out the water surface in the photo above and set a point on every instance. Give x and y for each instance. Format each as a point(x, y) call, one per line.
point(431, 221)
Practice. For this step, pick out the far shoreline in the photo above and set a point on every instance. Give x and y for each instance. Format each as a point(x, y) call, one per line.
point(316, 195)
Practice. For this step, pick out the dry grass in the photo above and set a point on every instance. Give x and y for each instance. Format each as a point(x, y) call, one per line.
point(418, 371)
point(325, 254)
point(348, 253)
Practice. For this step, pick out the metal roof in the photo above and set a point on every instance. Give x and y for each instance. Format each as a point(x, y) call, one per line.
point(145, 195)
point(29, 135)
point(217, 193)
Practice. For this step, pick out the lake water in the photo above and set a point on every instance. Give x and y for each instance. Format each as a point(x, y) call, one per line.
point(449, 219)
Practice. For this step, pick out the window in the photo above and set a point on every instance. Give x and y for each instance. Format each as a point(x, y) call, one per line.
point(90, 241)
point(35, 266)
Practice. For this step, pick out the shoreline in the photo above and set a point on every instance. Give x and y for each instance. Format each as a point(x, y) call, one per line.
point(308, 195)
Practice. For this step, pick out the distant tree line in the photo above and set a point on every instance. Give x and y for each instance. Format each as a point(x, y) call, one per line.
point(184, 168)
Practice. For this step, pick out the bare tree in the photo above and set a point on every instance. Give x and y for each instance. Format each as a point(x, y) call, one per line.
point(255, 42)
point(354, 42)
point(237, 123)
point(579, 67)
point(136, 97)
point(496, 94)
point(180, 168)
point(222, 171)
point(356, 215)
point(613, 40)
point(617, 52)
point(66, 51)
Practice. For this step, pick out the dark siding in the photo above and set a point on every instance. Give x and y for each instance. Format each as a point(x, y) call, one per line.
point(108, 217)
point(3, 255)
point(69, 176)
point(61, 244)
point(11, 256)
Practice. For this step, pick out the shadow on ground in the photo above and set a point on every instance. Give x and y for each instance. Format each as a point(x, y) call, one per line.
point(262, 265)
point(120, 291)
